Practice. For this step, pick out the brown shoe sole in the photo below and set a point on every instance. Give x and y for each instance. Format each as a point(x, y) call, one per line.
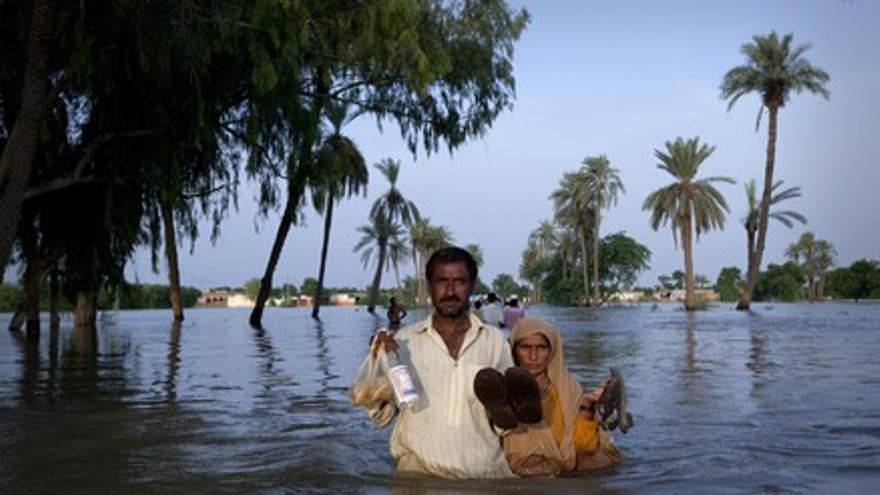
point(525, 396)
point(491, 390)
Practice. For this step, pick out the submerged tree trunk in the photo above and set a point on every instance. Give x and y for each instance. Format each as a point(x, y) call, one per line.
point(32, 275)
point(256, 319)
point(763, 220)
point(85, 311)
point(690, 297)
point(54, 299)
point(171, 259)
point(597, 298)
point(328, 222)
point(18, 153)
point(377, 278)
point(585, 265)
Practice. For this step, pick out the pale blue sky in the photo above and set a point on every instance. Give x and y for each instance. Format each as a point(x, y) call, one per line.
point(618, 78)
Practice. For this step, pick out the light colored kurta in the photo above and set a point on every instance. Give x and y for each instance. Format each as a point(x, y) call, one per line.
point(448, 434)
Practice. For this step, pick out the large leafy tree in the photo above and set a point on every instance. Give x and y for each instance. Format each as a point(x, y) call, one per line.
point(773, 69)
point(690, 205)
point(342, 172)
point(623, 258)
point(604, 185)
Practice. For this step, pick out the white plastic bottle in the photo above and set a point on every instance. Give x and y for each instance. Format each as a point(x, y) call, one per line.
point(405, 391)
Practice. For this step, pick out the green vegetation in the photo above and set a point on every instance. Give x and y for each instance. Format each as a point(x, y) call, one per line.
point(128, 296)
point(729, 283)
point(773, 69)
point(687, 204)
point(861, 280)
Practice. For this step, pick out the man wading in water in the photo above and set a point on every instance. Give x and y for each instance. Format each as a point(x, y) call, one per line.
point(449, 433)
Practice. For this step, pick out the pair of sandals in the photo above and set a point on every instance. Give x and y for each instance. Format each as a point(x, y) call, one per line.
point(514, 398)
point(509, 399)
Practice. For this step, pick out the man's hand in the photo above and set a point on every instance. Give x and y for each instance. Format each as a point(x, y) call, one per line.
point(385, 339)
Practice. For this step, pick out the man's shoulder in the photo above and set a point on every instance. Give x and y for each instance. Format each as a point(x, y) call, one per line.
point(413, 328)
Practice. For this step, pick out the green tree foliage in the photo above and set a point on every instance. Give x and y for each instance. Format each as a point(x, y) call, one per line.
point(309, 284)
point(861, 280)
point(689, 205)
point(773, 69)
point(781, 283)
point(622, 260)
point(604, 185)
point(252, 288)
point(818, 257)
point(729, 283)
point(505, 286)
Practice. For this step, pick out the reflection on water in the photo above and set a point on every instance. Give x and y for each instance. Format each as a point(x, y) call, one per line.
point(782, 401)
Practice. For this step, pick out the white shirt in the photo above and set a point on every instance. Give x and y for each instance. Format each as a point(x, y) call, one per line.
point(448, 434)
point(493, 314)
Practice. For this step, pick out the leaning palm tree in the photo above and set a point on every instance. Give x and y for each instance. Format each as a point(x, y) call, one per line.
point(785, 217)
point(604, 184)
point(378, 236)
point(688, 203)
point(773, 69)
point(572, 210)
point(342, 172)
point(392, 207)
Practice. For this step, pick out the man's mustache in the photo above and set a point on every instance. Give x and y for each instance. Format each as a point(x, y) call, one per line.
point(450, 299)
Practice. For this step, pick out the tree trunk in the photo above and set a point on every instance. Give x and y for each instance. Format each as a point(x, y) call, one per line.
point(18, 153)
point(598, 218)
point(377, 278)
point(32, 275)
point(54, 299)
point(86, 309)
point(416, 276)
point(171, 258)
point(256, 319)
point(328, 222)
point(763, 220)
point(585, 265)
point(690, 297)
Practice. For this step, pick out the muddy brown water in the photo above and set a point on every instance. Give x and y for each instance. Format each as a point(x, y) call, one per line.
point(782, 400)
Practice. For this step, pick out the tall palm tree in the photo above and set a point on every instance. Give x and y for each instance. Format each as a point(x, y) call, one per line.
point(688, 203)
point(392, 208)
point(572, 210)
point(566, 249)
point(380, 236)
point(342, 171)
point(773, 69)
point(785, 217)
point(604, 184)
point(418, 237)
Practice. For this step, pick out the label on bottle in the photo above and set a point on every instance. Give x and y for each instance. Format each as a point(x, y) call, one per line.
point(404, 388)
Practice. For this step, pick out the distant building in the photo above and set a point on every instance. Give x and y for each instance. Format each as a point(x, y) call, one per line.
point(679, 295)
point(225, 299)
point(343, 299)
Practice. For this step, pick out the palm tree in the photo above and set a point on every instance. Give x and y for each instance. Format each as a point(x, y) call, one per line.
point(476, 251)
point(818, 255)
point(418, 237)
point(342, 172)
point(786, 217)
point(380, 235)
point(571, 204)
point(544, 238)
point(604, 184)
point(773, 69)
point(392, 208)
point(688, 203)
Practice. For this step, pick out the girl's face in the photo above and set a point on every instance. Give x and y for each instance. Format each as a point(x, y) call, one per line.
point(533, 353)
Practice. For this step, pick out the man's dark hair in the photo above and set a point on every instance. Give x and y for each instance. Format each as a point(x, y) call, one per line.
point(491, 297)
point(452, 254)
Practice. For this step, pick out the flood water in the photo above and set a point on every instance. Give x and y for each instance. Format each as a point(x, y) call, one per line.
point(782, 400)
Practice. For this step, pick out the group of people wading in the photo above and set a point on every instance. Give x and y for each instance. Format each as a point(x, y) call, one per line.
point(490, 406)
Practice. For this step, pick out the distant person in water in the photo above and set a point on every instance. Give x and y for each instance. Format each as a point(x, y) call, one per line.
point(396, 314)
point(513, 312)
point(493, 313)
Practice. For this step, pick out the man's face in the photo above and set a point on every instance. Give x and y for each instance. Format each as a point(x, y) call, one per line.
point(450, 289)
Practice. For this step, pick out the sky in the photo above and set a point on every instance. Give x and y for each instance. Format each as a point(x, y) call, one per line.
point(616, 78)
